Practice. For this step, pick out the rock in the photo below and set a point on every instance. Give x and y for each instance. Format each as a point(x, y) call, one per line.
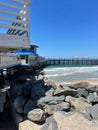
point(81, 92)
point(64, 91)
point(92, 89)
point(19, 117)
point(39, 83)
point(50, 100)
point(21, 79)
point(50, 124)
point(50, 92)
point(51, 84)
point(87, 115)
point(36, 115)
point(96, 88)
point(29, 125)
point(2, 100)
point(26, 90)
point(37, 90)
point(79, 104)
point(50, 109)
point(40, 77)
point(92, 98)
point(95, 122)
point(30, 105)
point(68, 121)
point(94, 111)
point(16, 90)
point(19, 103)
point(84, 85)
point(47, 88)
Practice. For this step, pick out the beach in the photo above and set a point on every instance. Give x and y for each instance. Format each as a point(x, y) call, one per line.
point(90, 81)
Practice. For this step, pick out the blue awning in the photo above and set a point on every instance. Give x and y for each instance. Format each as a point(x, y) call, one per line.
point(26, 52)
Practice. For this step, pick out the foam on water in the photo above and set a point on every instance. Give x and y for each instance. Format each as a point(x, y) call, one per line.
point(71, 73)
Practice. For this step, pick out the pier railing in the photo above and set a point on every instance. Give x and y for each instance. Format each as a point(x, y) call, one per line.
point(78, 61)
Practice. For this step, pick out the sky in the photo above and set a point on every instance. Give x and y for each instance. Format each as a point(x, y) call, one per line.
point(65, 28)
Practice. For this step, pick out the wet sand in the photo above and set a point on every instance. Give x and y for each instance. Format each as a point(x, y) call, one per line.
point(91, 82)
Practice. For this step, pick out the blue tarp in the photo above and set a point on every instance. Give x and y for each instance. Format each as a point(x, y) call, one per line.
point(26, 52)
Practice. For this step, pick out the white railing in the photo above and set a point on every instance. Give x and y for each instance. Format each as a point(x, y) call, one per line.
point(18, 34)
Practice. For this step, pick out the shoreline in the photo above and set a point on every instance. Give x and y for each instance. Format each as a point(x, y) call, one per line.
point(90, 81)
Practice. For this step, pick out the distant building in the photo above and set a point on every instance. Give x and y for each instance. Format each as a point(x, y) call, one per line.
point(28, 56)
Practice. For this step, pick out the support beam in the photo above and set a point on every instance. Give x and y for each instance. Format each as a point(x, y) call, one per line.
point(13, 6)
point(13, 13)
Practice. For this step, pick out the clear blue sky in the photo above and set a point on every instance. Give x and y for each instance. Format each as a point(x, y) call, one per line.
point(65, 28)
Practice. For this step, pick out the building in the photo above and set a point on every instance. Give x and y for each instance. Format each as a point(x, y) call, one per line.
point(28, 56)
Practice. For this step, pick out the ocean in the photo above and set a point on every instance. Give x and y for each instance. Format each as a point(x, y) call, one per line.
point(61, 73)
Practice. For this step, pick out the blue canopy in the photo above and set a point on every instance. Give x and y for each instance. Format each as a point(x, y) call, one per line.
point(26, 52)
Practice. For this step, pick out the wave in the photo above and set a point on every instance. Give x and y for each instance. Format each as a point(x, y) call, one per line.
point(67, 74)
point(71, 69)
point(70, 73)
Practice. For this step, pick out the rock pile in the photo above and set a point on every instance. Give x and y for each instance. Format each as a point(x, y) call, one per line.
point(66, 107)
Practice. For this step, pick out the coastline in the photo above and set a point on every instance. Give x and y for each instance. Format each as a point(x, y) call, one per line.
point(90, 81)
point(27, 124)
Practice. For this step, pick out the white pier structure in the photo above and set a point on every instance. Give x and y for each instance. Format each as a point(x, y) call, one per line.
point(15, 18)
point(14, 30)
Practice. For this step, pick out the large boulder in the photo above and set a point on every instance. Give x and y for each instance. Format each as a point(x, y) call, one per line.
point(36, 115)
point(16, 90)
point(2, 100)
point(95, 122)
point(94, 111)
point(37, 90)
point(92, 89)
point(50, 100)
point(68, 121)
point(92, 98)
point(19, 103)
point(50, 92)
point(18, 117)
point(85, 85)
point(29, 125)
point(81, 92)
point(64, 91)
point(51, 109)
point(51, 84)
point(26, 90)
point(30, 105)
point(79, 104)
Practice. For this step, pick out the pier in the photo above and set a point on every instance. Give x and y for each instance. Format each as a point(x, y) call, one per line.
point(73, 61)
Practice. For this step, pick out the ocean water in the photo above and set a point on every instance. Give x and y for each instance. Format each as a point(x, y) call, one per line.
point(63, 73)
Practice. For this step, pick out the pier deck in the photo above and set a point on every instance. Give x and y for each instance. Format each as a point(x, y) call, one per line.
point(89, 61)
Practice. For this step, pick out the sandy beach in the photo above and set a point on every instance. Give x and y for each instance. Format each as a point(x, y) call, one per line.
point(91, 82)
